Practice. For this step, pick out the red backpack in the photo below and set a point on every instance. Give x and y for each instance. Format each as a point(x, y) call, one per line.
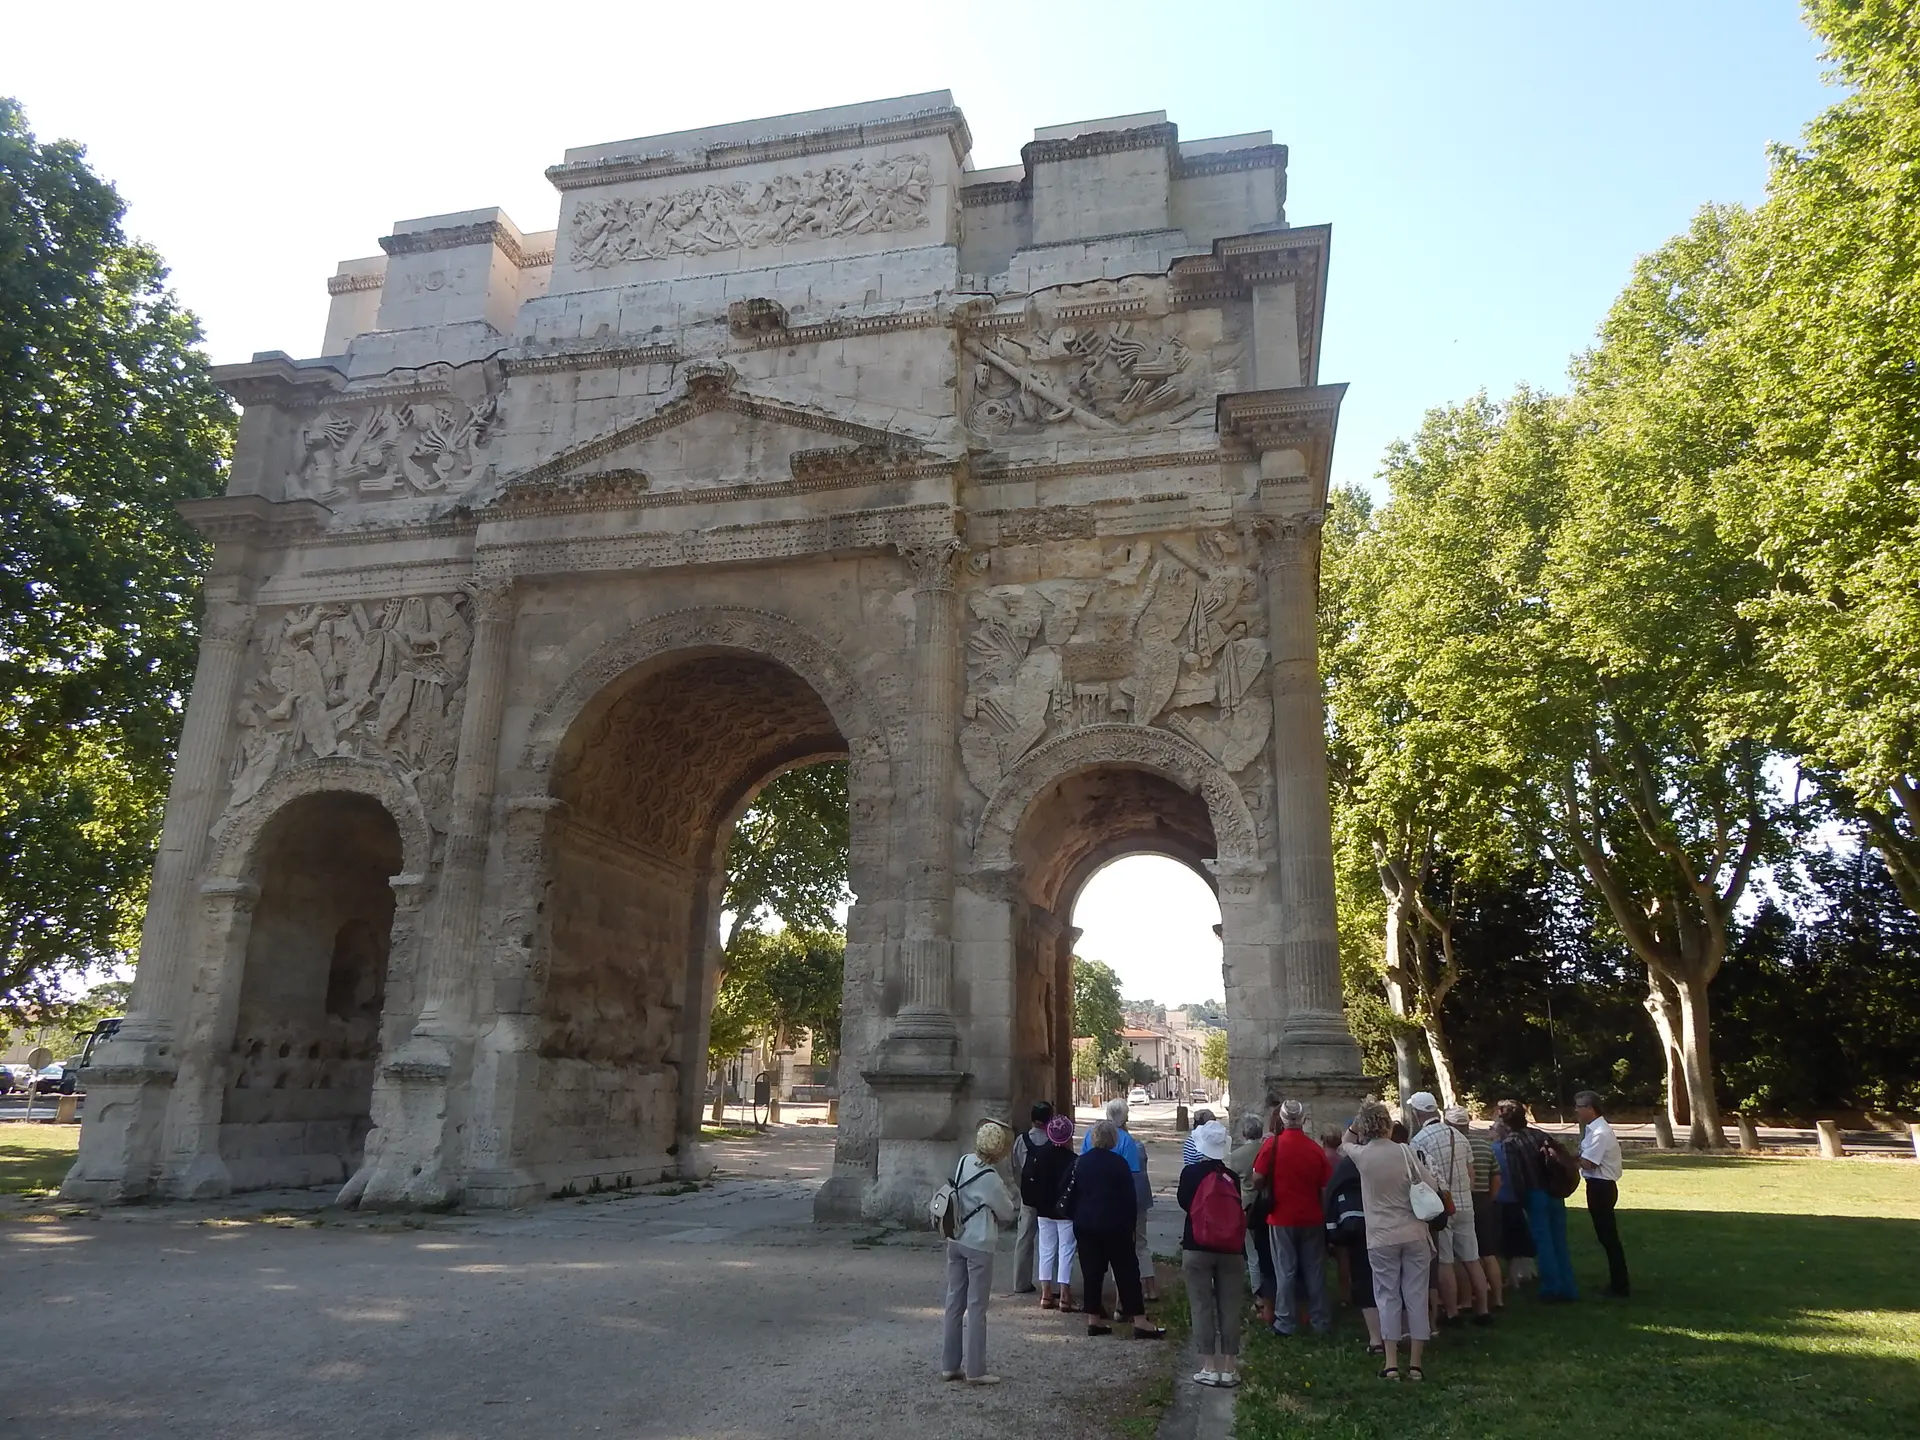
point(1219, 1224)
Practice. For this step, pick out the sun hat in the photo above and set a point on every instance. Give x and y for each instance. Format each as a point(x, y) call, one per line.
point(1456, 1115)
point(1060, 1129)
point(1423, 1101)
point(1212, 1140)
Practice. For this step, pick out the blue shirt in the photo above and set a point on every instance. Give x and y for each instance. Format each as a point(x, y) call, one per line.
point(1129, 1149)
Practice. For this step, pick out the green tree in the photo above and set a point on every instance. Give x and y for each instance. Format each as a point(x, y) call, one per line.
point(787, 860)
point(108, 417)
point(1213, 1057)
point(1826, 492)
point(1100, 1014)
point(778, 986)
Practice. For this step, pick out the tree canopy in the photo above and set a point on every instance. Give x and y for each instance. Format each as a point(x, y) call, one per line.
point(108, 417)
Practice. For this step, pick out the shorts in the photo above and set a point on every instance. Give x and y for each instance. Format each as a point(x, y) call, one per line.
point(1458, 1245)
point(1486, 1224)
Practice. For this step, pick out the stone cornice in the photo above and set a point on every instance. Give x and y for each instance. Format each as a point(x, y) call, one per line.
point(997, 470)
point(1228, 162)
point(595, 357)
point(272, 378)
point(1240, 262)
point(1259, 421)
point(619, 169)
point(254, 518)
point(455, 237)
point(347, 284)
point(996, 192)
point(1102, 142)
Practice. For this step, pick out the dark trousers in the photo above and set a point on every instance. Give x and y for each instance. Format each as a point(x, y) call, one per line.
point(1101, 1251)
point(1263, 1256)
point(1602, 1197)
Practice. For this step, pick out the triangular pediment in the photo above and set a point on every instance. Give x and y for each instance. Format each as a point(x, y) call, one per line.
point(713, 437)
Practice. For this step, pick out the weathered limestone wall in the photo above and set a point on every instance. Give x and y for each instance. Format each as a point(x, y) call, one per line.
point(791, 439)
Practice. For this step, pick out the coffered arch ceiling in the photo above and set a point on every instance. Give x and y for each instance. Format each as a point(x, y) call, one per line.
point(1096, 815)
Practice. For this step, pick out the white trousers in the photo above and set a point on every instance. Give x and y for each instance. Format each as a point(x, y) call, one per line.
point(1056, 1253)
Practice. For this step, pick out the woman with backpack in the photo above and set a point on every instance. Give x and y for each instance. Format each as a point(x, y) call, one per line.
point(1540, 1176)
point(978, 1202)
point(1046, 1182)
point(1347, 1238)
point(1213, 1255)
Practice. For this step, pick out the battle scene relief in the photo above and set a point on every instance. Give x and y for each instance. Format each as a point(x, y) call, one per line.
point(1166, 633)
point(375, 681)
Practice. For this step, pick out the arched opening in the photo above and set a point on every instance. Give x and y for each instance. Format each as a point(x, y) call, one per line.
point(652, 777)
point(1074, 827)
point(1155, 922)
point(306, 1036)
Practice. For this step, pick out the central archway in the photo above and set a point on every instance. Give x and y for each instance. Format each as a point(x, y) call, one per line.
point(651, 777)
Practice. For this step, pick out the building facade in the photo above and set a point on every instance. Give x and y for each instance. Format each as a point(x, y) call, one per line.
point(795, 439)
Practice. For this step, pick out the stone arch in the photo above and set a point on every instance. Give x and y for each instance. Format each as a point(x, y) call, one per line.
point(1137, 746)
point(713, 627)
point(236, 845)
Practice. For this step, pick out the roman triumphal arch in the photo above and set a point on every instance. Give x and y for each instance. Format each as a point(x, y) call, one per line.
point(797, 438)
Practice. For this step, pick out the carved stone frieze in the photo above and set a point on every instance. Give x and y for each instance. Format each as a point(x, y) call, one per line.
point(384, 451)
point(1100, 377)
point(864, 198)
point(380, 682)
point(1166, 633)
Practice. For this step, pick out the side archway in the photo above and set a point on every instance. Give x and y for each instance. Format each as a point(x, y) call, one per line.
point(236, 841)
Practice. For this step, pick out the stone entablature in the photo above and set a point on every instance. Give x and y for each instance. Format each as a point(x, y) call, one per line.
point(795, 438)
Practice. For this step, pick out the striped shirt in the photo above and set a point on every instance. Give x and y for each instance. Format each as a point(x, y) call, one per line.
point(1482, 1149)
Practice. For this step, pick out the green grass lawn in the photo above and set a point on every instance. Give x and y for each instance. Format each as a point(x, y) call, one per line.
point(1770, 1298)
point(34, 1159)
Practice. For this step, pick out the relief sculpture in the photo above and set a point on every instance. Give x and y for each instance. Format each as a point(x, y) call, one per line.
point(386, 450)
point(1100, 377)
point(859, 199)
point(383, 683)
point(1166, 635)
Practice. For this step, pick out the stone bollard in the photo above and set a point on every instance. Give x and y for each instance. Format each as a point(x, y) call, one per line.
point(1182, 1122)
point(773, 1110)
point(1831, 1146)
point(1662, 1131)
point(1749, 1137)
point(68, 1110)
point(833, 1111)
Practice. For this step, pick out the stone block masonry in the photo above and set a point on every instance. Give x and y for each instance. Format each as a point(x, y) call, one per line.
point(789, 440)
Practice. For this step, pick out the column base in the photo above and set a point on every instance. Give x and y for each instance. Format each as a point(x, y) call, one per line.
point(129, 1087)
point(1331, 1100)
point(921, 1133)
point(406, 1163)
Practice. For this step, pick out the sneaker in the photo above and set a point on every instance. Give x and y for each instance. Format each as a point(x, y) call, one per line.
point(983, 1379)
point(1206, 1377)
point(951, 1374)
point(1283, 1334)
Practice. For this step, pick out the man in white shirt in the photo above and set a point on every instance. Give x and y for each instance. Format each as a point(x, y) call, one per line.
point(1600, 1162)
point(1450, 1157)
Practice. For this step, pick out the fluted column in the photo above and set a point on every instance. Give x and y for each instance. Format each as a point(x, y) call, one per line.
point(924, 1034)
point(1314, 1033)
point(193, 804)
point(456, 935)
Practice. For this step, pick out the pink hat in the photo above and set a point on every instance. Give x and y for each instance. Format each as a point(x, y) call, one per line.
point(1060, 1129)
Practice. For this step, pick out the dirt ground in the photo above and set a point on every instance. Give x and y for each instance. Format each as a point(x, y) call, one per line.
point(721, 1313)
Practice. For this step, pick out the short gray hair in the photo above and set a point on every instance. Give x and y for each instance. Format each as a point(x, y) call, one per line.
point(1104, 1135)
point(1591, 1099)
point(1293, 1114)
point(1202, 1117)
point(1117, 1112)
point(1251, 1128)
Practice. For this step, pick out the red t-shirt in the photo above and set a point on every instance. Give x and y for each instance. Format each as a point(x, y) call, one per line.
point(1300, 1170)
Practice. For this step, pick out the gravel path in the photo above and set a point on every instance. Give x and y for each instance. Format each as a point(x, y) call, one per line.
point(721, 1313)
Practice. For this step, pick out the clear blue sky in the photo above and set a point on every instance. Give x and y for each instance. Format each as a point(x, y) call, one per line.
point(1490, 170)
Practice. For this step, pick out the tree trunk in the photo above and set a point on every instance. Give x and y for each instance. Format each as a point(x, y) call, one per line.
point(1663, 1004)
point(1696, 1051)
point(1406, 1050)
point(1442, 1056)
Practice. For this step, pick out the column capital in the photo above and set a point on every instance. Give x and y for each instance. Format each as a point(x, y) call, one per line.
point(934, 563)
point(226, 622)
point(493, 598)
point(1280, 542)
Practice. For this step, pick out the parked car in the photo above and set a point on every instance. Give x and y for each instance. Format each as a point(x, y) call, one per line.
point(62, 1077)
point(1138, 1095)
point(14, 1077)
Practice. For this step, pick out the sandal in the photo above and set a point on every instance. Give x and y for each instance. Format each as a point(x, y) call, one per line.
point(1389, 1372)
point(1099, 1329)
point(1049, 1304)
point(1413, 1373)
point(1376, 1349)
point(1158, 1332)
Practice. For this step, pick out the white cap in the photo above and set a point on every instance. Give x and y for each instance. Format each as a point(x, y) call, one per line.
point(1423, 1101)
point(1212, 1140)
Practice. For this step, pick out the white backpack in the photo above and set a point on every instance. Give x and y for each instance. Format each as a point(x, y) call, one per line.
point(943, 1210)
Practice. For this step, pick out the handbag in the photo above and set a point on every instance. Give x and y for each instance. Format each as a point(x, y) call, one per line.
point(1425, 1200)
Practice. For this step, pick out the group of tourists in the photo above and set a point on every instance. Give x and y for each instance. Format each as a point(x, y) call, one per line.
point(1427, 1220)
